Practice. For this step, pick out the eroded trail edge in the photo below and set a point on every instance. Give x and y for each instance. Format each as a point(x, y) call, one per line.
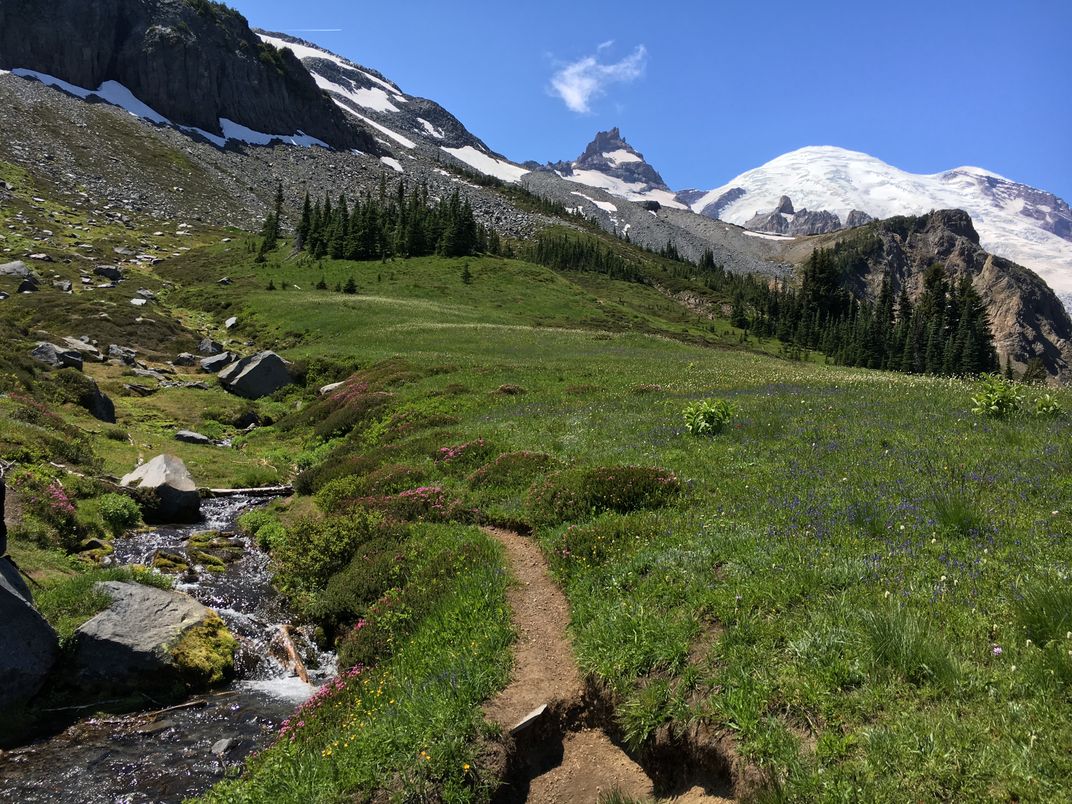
point(559, 743)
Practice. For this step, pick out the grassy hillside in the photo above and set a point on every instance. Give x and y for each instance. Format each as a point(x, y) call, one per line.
point(859, 581)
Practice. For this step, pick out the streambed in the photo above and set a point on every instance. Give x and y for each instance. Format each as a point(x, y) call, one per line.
point(168, 756)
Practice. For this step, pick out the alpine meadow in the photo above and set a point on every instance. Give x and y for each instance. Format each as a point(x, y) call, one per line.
point(344, 458)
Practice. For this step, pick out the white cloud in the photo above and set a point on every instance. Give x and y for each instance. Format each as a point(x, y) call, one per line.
point(586, 79)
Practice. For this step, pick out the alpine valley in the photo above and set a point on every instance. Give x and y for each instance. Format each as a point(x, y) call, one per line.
point(345, 458)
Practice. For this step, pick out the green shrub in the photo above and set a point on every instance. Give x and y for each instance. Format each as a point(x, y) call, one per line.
point(391, 479)
point(512, 470)
point(378, 566)
point(119, 512)
point(709, 416)
point(578, 493)
point(309, 553)
point(116, 434)
point(594, 543)
point(1048, 406)
point(997, 397)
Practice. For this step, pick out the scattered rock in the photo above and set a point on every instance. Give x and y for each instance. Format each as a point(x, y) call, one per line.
point(98, 404)
point(28, 285)
point(149, 374)
point(190, 437)
point(247, 420)
point(185, 359)
point(63, 285)
point(16, 268)
point(87, 350)
point(139, 390)
point(56, 356)
point(216, 363)
point(123, 354)
point(209, 347)
point(28, 645)
point(109, 272)
point(224, 281)
point(139, 302)
point(327, 389)
point(221, 747)
point(256, 376)
point(170, 494)
point(41, 257)
point(231, 322)
point(153, 640)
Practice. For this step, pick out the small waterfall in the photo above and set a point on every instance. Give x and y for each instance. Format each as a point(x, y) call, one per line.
point(169, 756)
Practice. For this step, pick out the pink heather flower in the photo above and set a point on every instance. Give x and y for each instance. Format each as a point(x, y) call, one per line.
point(996, 650)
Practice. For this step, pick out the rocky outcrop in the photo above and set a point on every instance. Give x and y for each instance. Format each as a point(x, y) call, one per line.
point(857, 218)
point(28, 645)
point(800, 223)
point(167, 491)
point(218, 362)
point(609, 153)
point(57, 356)
point(151, 640)
point(256, 376)
point(1027, 319)
point(195, 63)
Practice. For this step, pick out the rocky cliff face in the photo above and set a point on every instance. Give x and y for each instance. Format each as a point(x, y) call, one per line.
point(192, 61)
point(1027, 318)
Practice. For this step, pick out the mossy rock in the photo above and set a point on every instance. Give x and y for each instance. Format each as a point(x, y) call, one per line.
point(169, 562)
point(204, 655)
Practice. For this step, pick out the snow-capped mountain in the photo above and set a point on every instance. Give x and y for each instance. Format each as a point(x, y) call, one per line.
point(401, 122)
point(1026, 225)
point(613, 165)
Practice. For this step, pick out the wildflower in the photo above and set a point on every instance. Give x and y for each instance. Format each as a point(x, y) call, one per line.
point(465, 766)
point(996, 650)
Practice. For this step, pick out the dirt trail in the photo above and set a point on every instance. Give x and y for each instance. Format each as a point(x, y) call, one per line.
point(584, 763)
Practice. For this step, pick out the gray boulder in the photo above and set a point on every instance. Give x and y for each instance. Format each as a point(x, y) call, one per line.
point(168, 490)
point(87, 350)
point(28, 645)
point(109, 272)
point(231, 322)
point(123, 354)
point(209, 347)
point(185, 359)
point(62, 285)
point(135, 644)
point(28, 285)
point(99, 405)
point(217, 363)
point(257, 375)
point(190, 437)
point(56, 356)
point(17, 268)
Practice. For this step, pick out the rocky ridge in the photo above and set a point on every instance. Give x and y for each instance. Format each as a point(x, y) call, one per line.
point(194, 63)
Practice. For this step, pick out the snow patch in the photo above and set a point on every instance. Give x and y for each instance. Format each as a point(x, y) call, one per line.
point(391, 162)
point(488, 165)
point(767, 235)
point(430, 129)
point(375, 98)
point(305, 52)
point(394, 135)
point(606, 206)
point(630, 191)
point(621, 157)
point(116, 94)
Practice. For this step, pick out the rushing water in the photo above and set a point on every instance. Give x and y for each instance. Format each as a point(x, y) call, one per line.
point(168, 756)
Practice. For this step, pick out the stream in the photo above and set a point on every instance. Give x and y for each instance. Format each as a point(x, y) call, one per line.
point(172, 755)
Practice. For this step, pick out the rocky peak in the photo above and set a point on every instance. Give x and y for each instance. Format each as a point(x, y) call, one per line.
point(784, 206)
point(194, 62)
point(610, 154)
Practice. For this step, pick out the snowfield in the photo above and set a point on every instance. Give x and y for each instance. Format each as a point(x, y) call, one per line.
point(623, 189)
point(839, 180)
point(606, 206)
point(488, 165)
point(116, 94)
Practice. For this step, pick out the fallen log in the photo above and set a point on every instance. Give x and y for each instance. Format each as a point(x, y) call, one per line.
point(292, 652)
point(263, 491)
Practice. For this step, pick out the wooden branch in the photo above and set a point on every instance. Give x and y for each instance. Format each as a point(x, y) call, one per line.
point(292, 652)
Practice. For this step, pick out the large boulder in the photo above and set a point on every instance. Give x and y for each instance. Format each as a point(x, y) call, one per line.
point(167, 490)
point(257, 375)
point(28, 645)
point(209, 347)
point(57, 356)
point(84, 348)
point(216, 363)
point(151, 640)
point(17, 268)
point(109, 272)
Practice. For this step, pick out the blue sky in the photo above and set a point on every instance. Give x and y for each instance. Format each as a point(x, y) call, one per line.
point(707, 90)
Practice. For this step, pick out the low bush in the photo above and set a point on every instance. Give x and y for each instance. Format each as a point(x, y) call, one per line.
point(512, 470)
point(309, 553)
point(461, 458)
point(594, 543)
point(1048, 406)
point(1045, 613)
point(709, 416)
point(573, 494)
point(997, 397)
point(119, 512)
point(337, 494)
